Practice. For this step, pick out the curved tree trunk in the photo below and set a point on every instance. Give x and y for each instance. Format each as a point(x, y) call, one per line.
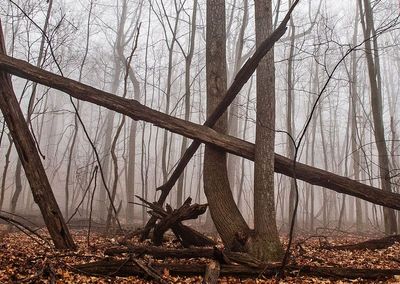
point(224, 212)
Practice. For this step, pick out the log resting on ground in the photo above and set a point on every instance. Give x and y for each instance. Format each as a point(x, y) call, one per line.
point(128, 268)
point(161, 252)
point(137, 111)
point(373, 244)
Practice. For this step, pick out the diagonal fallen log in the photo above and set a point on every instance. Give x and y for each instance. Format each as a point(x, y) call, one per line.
point(137, 111)
point(128, 268)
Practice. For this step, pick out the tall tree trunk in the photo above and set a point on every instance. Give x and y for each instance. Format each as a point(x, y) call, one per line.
point(233, 120)
point(354, 131)
point(290, 112)
point(130, 186)
point(170, 45)
point(265, 244)
point(76, 121)
point(188, 63)
point(376, 106)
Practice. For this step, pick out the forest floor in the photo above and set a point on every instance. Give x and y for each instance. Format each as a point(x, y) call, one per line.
point(24, 259)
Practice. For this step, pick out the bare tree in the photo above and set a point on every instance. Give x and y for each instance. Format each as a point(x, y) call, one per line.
point(367, 23)
point(188, 62)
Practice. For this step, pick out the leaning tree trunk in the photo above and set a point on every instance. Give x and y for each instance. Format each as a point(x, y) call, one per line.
point(31, 162)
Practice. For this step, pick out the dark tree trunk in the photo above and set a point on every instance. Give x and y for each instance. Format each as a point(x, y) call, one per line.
point(223, 209)
point(31, 162)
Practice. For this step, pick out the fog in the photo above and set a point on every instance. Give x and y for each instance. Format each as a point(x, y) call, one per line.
point(91, 41)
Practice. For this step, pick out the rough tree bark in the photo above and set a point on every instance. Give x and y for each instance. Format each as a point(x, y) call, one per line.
point(265, 243)
point(224, 212)
point(31, 162)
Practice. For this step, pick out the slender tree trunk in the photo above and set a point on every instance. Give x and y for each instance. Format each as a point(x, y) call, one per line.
point(76, 121)
point(115, 174)
point(188, 63)
point(354, 131)
point(165, 153)
point(130, 186)
point(242, 176)
point(376, 106)
point(290, 112)
point(233, 120)
point(5, 171)
point(325, 203)
point(18, 187)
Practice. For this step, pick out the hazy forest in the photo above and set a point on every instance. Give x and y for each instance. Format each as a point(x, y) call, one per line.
point(201, 141)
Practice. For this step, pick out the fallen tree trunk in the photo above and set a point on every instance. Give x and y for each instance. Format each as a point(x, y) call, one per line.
point(381, 243)
point(221, 255)
point(129, 268)
point(137, 111)
point(30, 159)
point(161, 252)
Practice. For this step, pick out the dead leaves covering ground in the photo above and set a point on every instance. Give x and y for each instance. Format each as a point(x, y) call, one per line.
point(24, 260)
